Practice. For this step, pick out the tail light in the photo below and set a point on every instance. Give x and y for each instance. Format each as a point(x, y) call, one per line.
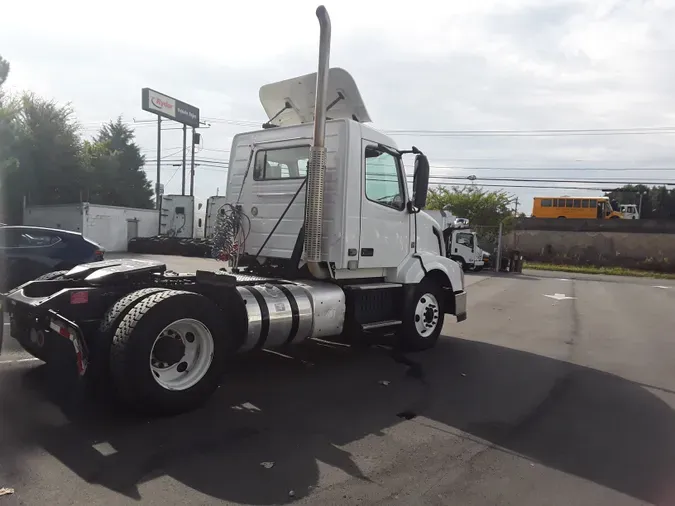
point(98, 254)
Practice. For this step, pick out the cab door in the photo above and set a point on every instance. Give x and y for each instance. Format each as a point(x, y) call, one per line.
point(385, 221)
point(463, 246)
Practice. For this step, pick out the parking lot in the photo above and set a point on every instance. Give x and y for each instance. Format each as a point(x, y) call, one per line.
point(559, 389)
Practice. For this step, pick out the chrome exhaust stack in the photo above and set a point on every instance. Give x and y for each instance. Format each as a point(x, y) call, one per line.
point(316, 167)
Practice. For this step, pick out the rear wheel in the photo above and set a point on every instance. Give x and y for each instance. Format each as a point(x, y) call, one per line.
point(51, 276)
point(168, 352)
point(424, 317)
point(99, 352)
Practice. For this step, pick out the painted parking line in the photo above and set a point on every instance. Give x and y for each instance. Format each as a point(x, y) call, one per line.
point(18, 360)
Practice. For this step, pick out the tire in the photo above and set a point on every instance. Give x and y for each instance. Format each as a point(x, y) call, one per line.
point(410, 337)
point(99, 351)
point(132, 351)
point(51, 276)
point(461, 262)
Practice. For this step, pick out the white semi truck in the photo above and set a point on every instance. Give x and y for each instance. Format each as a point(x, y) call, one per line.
point(329, 243)
point(461, 243)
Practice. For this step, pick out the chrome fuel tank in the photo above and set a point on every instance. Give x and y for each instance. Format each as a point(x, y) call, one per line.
point(281, 314)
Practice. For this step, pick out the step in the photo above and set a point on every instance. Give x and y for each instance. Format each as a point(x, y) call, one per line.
point(373, 286)
point(381, 325)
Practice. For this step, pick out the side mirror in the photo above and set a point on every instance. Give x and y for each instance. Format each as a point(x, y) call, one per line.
point(420, 182)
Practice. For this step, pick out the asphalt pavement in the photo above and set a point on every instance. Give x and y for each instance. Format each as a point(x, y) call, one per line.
point(559, 389)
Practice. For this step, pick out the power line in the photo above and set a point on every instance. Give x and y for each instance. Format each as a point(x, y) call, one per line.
point(217, 163)
point(211, 168)
point(529, 186)
point(219, 150)
point(548, 180)
point(501, 132)
point(559, 169)
point(537, 132)
point(534, 133)
point(172, 176)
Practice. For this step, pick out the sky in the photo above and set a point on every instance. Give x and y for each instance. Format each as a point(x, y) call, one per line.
point(512, 66)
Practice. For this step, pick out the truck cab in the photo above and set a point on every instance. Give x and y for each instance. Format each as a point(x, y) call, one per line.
point(461, 243)
point(462, 246)
point(629, 212)
point(370, 229)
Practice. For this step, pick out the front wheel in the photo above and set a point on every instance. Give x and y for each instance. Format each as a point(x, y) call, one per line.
point(423, 318)
point(168, 352)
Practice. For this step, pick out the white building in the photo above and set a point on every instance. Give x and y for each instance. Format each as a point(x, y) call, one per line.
point(109, 226)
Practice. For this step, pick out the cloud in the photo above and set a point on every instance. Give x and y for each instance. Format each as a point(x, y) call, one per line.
point(520, 64)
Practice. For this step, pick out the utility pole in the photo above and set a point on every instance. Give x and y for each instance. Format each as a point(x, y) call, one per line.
point(640, 205)
point(159, 159)
point(184, 154)
point(499, 247)
point(192, 164)
point(516, 211)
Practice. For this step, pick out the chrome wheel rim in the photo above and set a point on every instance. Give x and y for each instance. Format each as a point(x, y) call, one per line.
point(426, 315)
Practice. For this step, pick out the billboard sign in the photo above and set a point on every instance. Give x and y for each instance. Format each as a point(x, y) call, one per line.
point(168, 107)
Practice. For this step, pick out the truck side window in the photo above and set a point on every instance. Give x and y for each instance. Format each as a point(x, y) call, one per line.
point(384, 184)
point(281, 163)
point(465, 240)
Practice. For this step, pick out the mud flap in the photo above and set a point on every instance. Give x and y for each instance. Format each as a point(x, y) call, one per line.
point(71, 331)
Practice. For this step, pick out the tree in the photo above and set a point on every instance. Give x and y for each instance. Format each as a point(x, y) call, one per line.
point(481, 207)
point(48, 150)
point(43, 158)
point(4, 73)
point(39, 151)
point(8, 111)
point(114, 164)
point(658, 202)
point(8, 161)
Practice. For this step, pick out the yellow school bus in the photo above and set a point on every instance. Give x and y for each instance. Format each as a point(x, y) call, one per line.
point(574, 207)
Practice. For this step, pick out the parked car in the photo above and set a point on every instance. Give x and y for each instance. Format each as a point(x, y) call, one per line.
point(29, 252)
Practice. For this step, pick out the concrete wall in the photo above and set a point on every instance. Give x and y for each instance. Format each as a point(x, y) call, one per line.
point(649, 245)
point(572, 225)
point(65, 217)
point(107, 225)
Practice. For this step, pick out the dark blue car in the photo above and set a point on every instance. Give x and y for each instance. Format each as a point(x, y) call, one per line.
point(29, 252)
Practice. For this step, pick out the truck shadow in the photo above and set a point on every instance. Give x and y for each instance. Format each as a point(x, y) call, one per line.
point(299, 412)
